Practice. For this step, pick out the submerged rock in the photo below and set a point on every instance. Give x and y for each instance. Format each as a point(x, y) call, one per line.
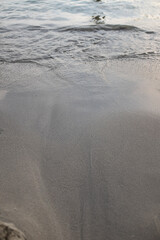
point(10, 232)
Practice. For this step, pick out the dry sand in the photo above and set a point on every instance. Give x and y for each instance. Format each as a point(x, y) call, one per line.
point(80, 156)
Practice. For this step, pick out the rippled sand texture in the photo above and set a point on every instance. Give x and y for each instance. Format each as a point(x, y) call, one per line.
point(79, 152)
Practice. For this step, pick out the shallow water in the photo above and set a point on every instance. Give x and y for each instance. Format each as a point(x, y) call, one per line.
point(49, 31)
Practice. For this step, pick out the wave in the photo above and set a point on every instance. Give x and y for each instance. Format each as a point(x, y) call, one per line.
point(104, 27)
point(137, 55)
point(25, 60)
point(84, 28)
point(4, 30)
point(47, 61)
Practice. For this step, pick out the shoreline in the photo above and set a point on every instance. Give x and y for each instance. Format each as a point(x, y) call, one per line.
point(80, 155)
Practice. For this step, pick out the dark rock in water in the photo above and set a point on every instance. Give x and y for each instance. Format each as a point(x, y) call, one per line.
point(98, 19)
point(10, 232)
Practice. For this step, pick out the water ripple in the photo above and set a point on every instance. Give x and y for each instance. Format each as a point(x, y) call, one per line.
point(87, 30)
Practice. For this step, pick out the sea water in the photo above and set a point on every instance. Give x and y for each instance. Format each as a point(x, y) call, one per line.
point(43, 31)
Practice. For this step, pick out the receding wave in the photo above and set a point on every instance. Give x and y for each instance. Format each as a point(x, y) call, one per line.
point(84, 28)
point(97, 27)
point(47, 61)
point(43, 44)
point(137, 55)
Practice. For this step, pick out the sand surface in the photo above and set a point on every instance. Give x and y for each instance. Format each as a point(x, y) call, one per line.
point(80, 151)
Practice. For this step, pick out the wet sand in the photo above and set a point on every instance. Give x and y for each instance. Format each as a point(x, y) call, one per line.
point(80, 151)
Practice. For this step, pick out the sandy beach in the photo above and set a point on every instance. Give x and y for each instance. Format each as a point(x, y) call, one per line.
point(80, 151)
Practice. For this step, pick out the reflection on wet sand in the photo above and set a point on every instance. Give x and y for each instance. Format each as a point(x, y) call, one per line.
point(80, 159)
